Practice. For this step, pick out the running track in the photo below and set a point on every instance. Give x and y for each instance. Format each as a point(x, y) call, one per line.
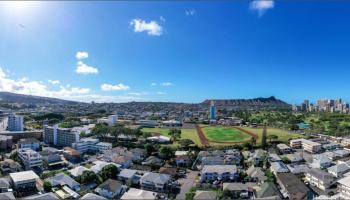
point(205, 141)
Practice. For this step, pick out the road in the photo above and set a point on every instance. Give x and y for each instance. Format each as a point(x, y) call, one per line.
point(186, 184)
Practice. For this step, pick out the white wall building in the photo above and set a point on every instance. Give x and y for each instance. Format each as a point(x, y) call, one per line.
point(104, 146)
point(30, 158)
point(60, 136)
point(86, 145)
point(307, 145)
point(218, 172)
point(344, 187)
point(110, 120)
point(15, 122)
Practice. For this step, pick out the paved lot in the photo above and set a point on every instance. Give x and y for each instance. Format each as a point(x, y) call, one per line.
point(186, 184)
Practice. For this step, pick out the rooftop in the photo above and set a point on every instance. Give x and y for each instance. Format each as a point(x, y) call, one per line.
point(23, 176)
point(134, 193)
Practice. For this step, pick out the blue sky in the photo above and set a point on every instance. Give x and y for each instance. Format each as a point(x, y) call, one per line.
point(176, 51)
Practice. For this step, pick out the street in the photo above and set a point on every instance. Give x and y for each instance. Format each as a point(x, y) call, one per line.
point(186, 184)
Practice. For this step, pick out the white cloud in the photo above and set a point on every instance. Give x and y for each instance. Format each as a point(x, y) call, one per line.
point(153, 84)
point(161, 18)
point(83, 68)
point(166, 84)
point(261, 6)
point(81, 55)
point(37, 88)
point(54, 82)
point(160, 93)
point(190, 12)
point(109, 87)
point(138, 93)
point(152, 27)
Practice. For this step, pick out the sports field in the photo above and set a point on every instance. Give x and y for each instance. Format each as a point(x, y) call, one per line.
point(282, 135)
point(224, 134)
point(186, 133)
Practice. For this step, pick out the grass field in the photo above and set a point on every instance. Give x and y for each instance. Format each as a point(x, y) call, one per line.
point(190, 133)
point(283, 135)
point(224, 134)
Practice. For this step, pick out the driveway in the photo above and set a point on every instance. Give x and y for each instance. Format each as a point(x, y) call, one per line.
point(186, 184)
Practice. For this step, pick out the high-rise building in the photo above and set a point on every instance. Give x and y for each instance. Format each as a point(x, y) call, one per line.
point(212, 111)
point(15, 122)
point(60, 136)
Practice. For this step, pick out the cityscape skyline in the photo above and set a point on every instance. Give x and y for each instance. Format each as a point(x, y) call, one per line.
point(148, 52)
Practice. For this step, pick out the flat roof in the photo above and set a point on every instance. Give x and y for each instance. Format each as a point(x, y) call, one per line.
point(23, 176)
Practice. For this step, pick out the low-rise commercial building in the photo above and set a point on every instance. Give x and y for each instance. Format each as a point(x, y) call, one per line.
point(30, 158)
point(344, 187)
point(24, 179)
point(319, 178)
point(307, 145)
point(31, 143)
point(86, 145)
point(218, 172)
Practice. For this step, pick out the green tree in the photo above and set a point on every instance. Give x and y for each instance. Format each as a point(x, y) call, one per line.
point(166, 152)
point(109, 171)
point(175, 134)
point(87, 177)
point(272, 138)
point(149, 148)
point(185, 143)
point(47, 186)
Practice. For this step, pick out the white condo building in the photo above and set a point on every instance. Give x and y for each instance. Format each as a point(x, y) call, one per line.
point(64, 137)
point(110, 120)
point(86, 145)
point(30, 158)
point(15, 122)
point(307, 145)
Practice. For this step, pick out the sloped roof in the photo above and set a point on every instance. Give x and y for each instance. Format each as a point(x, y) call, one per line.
point(62, 179)
point(268, 189)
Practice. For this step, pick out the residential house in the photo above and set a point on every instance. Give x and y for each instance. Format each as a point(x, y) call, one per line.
point(344, 187)
point(339, 169)
point(240, 190)
point(128, 176)
point(77, 171)
point(92, 196)
point(123, 161)
point(111, 189)
point(182, 160)
point(256, 173)
point(267, 190)
point(284, 149)
point(138, 154)
point(319, 178)
point(278, 167)
point(294, 158)
point(8, 166)
point(218, 172)
point(205, 195)
point(291, 186)
point(154, 181)
point(298, 168)
point(172, 171)
point(99, 165)
point(273, 157)
point(321, 161)
point(7, 196)
point(4, 185)
point(134, 193)
point(153, 161)
point(62, 179)
point(45, 196)
point(24, 179)
point(257, 157)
